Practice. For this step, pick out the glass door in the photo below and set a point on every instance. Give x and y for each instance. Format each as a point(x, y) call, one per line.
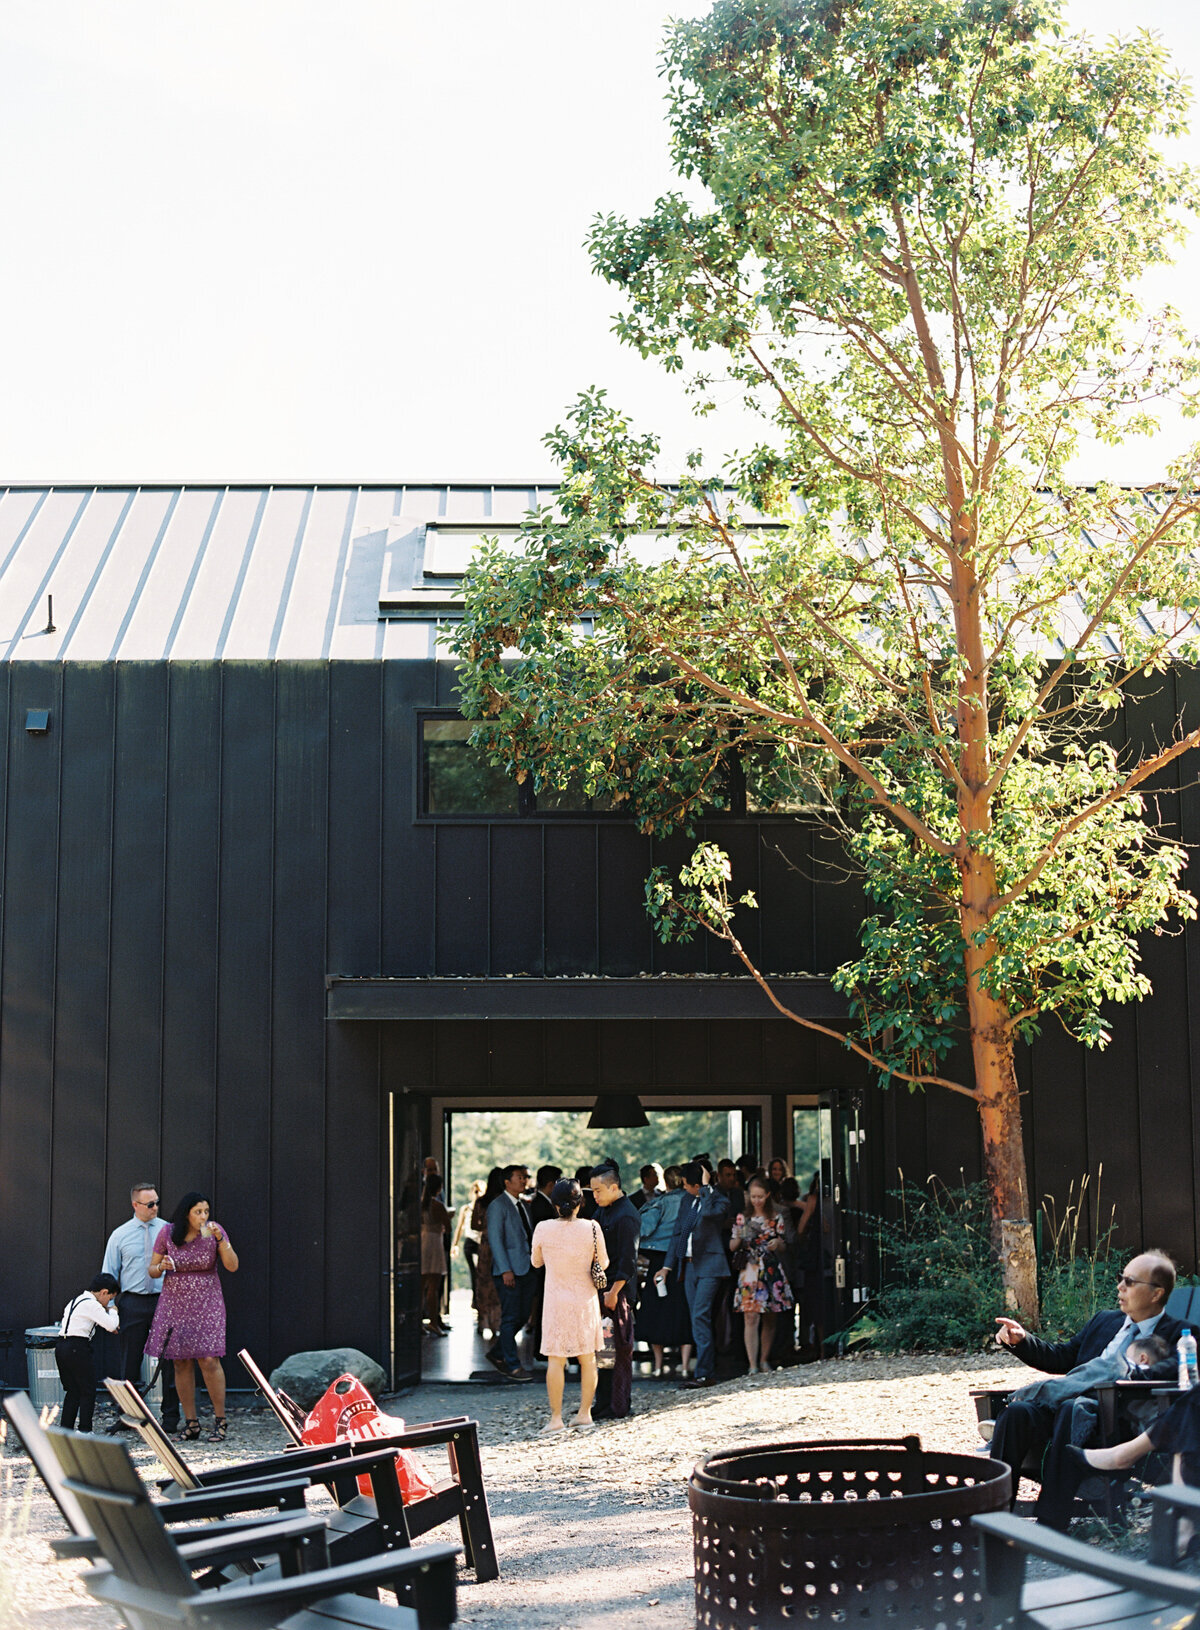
point(405, 1270)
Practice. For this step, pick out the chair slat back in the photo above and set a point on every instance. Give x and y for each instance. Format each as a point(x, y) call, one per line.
point(136, 1412)
point(32, 1434)
point(1184, 1304)
point(288, 1412)
point(120, 1513)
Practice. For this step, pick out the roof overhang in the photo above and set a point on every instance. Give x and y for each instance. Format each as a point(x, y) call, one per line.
point(660, 997)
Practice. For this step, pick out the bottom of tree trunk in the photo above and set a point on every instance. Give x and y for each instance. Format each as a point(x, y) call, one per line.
point(1018, 1263)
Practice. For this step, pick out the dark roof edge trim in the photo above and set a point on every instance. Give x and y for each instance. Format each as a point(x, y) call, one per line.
point(348, 998)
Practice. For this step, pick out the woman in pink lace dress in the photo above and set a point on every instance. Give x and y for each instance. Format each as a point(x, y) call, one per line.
point(565, 1246)
point(189, 1321)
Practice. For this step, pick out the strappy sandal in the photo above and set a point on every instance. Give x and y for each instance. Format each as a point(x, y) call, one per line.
point(190, 1431)
point(217, 1435)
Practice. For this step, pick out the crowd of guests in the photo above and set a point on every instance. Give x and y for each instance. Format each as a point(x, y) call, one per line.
point(678, 1264)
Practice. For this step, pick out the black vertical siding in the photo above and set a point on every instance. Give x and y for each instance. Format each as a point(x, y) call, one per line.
point(77, 1192)
point(296, 1213)
point(27, 1008)
point(193, 847)
point(245, 956)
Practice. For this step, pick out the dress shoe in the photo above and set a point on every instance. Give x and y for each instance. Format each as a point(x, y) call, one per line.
point(696, 1382)
point(516, 1375)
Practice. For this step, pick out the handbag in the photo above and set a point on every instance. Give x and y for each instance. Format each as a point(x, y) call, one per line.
point(599, 1277)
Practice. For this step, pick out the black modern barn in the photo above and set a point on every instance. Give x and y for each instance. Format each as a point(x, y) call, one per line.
point(264, 919)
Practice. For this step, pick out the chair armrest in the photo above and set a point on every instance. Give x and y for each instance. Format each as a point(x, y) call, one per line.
point(284, 1538)
point(1033, 1539)
point(197, 1503)
point(74, 1545)
point(430, 1569)
point(425, 1437)
point(295, 1462)
point(1177, 1494)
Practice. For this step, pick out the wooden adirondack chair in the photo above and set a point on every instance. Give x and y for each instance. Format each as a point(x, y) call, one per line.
point(362, 1525)
point(1099, 1589)
point(461, 1496)
point(286, 1495)
point(148, 1576)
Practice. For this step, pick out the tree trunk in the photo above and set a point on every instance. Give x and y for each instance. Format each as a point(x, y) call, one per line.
point(998, 1097)
point(1004, 1153)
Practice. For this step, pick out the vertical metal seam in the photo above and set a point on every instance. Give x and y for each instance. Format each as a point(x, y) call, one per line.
point(53, 992)
point(488, 902)
point(114, 692)
point(327, 668)
point(201, 550)
point(162, 929)
point(272, 670)
point(231, 610)
point(289, 577)
point(4, 836)
point(143, 576)
point(216, 991)
point(86, 596)
point(339, 577)
point(23, 530)
point(46, 577)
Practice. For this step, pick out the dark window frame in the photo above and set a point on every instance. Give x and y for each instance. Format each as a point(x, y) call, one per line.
point(526, 799)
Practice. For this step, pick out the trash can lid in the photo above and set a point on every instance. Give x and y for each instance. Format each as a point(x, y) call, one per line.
point(42, 1335)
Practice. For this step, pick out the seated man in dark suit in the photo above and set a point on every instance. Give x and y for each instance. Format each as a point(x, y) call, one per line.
point(1046, 1429)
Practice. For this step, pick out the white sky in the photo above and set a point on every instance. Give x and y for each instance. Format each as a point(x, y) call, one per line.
point(249, 240)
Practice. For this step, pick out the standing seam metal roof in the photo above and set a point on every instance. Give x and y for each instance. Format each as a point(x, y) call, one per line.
point(203, 572)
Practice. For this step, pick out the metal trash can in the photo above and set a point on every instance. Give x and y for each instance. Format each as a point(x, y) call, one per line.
point(45, 1388)
point(853, 1531)
point(44, 1385)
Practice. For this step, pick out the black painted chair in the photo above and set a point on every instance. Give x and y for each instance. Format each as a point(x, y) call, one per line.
point(148, 1577)
point(1099, 1588)
point(286, 1496)
point(459, 1497)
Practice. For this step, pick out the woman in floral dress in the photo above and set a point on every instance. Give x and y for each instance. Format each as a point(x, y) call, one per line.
point(189, 1321)
point(760, 1238)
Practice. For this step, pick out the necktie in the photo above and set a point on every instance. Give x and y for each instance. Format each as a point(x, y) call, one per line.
point(1116, 1347)
point(526, 1224)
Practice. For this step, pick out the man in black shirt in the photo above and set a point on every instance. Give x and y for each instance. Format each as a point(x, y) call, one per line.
point(619, 1223)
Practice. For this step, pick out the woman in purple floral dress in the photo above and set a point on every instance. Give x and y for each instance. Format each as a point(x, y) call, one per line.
point(189, 1321)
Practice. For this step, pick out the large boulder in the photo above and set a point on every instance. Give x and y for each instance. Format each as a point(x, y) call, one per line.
point(305, 1376)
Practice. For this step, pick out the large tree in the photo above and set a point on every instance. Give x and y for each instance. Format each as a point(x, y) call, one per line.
point(911, 241)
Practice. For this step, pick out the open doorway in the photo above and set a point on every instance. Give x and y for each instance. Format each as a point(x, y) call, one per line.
point(477, 1136)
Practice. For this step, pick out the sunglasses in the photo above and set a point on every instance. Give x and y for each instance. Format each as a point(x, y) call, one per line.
point(149, 1204)
point(1124, 1279)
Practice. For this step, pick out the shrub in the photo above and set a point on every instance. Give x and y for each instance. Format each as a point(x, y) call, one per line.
point(1075, 1281)
point(942, 1285)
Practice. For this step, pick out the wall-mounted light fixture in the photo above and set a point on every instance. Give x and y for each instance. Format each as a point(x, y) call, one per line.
point(37, 720)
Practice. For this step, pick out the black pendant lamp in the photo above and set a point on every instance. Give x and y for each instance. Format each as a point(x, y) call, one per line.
point(613, 1109)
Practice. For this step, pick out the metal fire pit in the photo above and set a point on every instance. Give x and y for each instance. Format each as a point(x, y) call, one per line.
point(851, 1532)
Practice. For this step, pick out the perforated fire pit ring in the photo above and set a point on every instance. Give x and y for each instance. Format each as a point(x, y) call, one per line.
point(858, 1532)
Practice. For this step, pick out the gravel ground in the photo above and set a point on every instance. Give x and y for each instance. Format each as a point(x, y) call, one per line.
point(592, 1528)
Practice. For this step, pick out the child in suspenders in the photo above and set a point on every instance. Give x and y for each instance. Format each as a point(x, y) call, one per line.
point(73, 1349)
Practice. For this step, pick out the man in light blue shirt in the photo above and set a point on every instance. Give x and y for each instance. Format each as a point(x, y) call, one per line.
point(127, 1257)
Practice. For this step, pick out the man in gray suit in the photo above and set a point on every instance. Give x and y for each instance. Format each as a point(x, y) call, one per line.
point(509, 1233)
point(698, 1253)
